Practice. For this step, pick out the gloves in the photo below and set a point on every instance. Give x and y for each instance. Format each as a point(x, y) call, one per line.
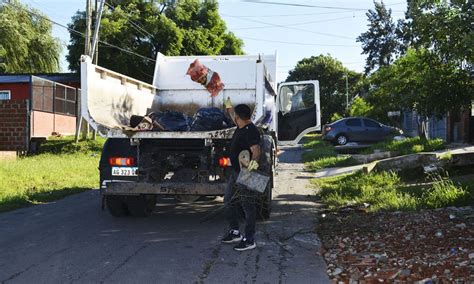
point(227, 103)
point(253, 165)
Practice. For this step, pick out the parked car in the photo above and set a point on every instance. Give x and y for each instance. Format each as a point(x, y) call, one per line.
point(357, 129)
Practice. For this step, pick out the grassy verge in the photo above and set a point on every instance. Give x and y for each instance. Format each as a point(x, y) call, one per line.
point(62, 168)
point(408, 146)
point(320, 154)
point(387, 191)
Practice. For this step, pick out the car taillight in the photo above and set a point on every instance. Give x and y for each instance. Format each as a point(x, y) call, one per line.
point(121, 161)
point(224, 162)
point(327, 129)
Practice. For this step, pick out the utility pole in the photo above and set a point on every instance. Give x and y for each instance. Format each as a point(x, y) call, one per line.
point(347, 93)
point(95, 60)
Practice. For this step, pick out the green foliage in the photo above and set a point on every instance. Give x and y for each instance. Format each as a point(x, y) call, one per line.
point(420, 81)
point(380, 42)
point(26, 45)
point(67, 145)
point(360, 107)
point(320, 154)
point(46, 177)
point(332, 83)
point(408, 146)
point(386, 191)
point(335, 117)
point(188, 27)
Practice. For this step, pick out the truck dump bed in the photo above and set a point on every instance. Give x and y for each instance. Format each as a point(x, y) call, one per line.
point(109, 99)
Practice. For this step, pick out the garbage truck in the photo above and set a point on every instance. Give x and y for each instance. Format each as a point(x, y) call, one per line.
point(137, 167)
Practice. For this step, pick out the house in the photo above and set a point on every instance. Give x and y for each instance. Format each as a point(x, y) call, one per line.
point(33, 107)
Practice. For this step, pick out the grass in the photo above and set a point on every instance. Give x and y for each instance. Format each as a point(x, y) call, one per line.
point(408, 146)
point(320, 154)
point(63, 167)
point(386, 191)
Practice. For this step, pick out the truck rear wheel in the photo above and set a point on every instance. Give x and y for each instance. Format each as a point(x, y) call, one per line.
point(264, 207)
point(116, 205)
point(141, 206)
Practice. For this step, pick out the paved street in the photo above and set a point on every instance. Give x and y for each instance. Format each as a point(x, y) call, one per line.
point(72, 240)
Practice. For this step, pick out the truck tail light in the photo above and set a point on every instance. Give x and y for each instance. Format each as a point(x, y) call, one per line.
point(121, 161)
point(224, 162)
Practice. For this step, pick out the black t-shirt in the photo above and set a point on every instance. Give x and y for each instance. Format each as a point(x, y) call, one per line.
point(242, 140)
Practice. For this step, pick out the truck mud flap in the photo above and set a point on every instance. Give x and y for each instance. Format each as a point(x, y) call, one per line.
point(135, 188)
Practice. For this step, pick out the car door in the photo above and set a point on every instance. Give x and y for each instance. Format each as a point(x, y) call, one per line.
point(373, 130)
point(353, 130)
point(298, 111)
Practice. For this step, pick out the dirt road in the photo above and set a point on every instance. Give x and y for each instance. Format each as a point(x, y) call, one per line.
point(72, 240)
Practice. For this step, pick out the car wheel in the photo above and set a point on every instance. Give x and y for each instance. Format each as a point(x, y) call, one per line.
point(341, 139)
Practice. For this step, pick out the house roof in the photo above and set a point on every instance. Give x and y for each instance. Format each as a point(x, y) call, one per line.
point(25, 78)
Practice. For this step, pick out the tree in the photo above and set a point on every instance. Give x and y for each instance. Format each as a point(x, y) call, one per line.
point(188, 27)
point(360, 107)
point(27, 45)
point(332, 83)
point(421, 81)
point(380, 41)
point(442, 26)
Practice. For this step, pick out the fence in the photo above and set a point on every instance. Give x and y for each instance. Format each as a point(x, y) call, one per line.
point(53, 97)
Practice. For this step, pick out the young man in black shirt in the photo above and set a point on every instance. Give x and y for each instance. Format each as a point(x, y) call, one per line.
point(246, 138)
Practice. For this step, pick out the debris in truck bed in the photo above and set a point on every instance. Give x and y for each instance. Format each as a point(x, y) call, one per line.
point(211, 118)
point(430, 246)
point(205, 119)
point(206, 77)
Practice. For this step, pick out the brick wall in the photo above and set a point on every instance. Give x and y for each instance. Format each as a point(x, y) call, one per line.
point(13, 125)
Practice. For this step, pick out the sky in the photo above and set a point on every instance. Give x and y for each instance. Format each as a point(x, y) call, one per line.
point(294, 32)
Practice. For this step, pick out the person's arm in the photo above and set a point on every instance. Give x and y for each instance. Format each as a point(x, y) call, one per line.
point(255, 152)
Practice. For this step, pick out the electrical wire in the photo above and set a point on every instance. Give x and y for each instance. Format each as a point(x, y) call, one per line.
point(137, 27)
point(289, 27)
point(299, 43)
point(79, 33)
point(307, 5)
point(297, 24)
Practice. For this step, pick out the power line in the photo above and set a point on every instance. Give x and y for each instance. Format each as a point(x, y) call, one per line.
point(79, 33)
point(137, 27)
point(307, 5)
point(290, 28)
point(297, 24)
point(298, 43)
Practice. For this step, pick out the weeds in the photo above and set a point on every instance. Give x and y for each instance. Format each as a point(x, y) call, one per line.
point(408, 146)
point(320, 154)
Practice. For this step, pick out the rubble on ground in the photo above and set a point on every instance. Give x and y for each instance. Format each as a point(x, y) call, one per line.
point(429, 246)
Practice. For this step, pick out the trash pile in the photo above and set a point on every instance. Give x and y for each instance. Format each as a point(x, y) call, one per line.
point(205, 119)
point(430, 246)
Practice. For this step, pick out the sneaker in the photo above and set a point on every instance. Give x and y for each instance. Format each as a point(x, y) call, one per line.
point(245, 245)
point(233, 236)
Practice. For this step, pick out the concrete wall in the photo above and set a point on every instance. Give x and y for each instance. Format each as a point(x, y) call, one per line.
point(43, 124)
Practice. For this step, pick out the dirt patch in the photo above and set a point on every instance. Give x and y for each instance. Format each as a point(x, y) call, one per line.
point(432, 246)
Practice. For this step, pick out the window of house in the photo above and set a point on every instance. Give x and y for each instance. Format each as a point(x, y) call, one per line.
point(5, 95)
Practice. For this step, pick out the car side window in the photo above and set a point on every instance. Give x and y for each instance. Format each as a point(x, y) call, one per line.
point(353, 122)
point(371, 123)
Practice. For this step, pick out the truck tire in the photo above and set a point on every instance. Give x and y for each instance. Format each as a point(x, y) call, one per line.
point(116, 205)
point(141, 206)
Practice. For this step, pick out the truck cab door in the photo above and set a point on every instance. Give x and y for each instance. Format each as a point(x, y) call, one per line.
point(298, 111)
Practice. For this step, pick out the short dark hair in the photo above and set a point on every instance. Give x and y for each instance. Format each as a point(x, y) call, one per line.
point(243, 111)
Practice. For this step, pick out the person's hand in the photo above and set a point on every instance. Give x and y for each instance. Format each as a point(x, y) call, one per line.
point(227, 103)
point(253, 165)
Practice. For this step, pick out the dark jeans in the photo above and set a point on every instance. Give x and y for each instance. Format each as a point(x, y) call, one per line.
point(235, 198)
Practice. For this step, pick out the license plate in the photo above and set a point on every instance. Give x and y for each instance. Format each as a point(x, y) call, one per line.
point(124, 171)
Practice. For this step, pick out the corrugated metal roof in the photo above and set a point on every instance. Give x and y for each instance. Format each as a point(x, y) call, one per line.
point(8, 79)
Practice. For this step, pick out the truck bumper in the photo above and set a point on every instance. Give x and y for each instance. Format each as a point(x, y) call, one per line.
point(136, 188)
